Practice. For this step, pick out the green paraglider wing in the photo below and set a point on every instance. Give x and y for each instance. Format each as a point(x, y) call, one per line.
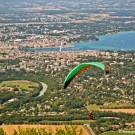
point(78, 69)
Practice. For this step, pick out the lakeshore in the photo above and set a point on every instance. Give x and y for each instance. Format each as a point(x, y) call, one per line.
point(116, 41)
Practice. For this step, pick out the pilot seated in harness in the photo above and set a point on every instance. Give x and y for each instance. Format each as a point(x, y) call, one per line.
point(90, 115)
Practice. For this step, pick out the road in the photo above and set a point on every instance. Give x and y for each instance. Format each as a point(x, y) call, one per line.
point(89, 128)
point(43, 89)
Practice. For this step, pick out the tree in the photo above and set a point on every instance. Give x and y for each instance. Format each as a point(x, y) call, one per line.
point(2, 132)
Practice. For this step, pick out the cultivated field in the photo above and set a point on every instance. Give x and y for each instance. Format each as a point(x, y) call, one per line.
point(22, 84)
point(132, 111)
point(9, 129)
point(121, 132)
point(118, 108)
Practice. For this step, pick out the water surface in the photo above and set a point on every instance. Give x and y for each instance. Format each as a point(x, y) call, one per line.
point(117, 41)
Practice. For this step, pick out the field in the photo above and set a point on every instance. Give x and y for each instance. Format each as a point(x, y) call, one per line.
point(121, 132)
point(22, 84)
point(119, 108)
point(9, 129)
point(83, 121)
point(93, 107)
point(131, 111)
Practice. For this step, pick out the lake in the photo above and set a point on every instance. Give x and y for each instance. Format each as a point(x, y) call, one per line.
point(117, 41)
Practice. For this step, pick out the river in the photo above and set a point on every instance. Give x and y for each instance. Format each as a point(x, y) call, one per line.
point(116, 41)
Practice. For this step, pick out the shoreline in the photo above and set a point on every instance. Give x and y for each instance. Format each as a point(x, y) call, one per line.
point(111, 42)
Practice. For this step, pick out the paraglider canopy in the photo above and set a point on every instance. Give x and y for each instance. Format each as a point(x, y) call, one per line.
point(81, 67)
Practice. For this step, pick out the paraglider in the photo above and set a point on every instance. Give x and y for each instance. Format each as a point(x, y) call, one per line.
point(83, 66)
point(91, 115)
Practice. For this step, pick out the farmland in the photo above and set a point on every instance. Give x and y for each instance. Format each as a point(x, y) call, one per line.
point(9, 129)
point(121, 132)
point(131, 111)
point(20, 84)
point(114, 107)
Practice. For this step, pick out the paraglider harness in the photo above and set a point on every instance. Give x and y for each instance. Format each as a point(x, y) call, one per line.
point(108, 69)
point(91, 115)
